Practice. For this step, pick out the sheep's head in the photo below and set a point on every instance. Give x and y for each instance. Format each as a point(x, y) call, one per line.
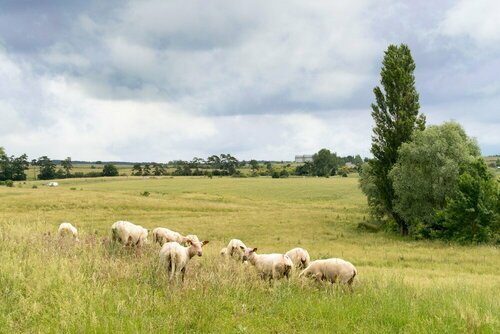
point(196, 246)
point(247, 252)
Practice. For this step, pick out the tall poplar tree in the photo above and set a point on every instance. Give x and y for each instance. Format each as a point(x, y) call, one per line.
point(396, 115)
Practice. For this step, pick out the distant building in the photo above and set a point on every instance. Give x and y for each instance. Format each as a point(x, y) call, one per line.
point(304, 158)
point(350, 165)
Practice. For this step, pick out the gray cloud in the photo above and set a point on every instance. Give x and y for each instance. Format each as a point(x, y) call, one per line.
point(234, 75)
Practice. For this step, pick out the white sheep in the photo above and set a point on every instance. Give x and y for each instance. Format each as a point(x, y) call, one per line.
point(175, 256)
point(66, 229)
point(234, 248)
point(129, 234)
point(162, 235)
point(271, 266)
point(192, 238)
point(331, 270)
point(300, 257)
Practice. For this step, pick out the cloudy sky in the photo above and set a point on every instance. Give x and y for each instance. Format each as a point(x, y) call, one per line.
point(158, 80)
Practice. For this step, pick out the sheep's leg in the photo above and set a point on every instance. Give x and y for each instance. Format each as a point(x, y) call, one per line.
point(183, 272)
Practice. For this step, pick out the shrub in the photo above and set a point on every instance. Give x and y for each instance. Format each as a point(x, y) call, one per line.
point(34, 186)
point(275, 175)
point(145, 193)
point(284, 173)
point(9, 183)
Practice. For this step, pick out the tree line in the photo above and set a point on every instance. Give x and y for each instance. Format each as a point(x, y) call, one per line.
point(428, 182)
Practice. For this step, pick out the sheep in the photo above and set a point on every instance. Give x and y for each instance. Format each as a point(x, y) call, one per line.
point(162, 235)
point(68, 229)
point(192, 238)
point(129, 234)
point(234, 248)
point(175, 256)
point(332, 270)
point(300, 257)
point(271, 266)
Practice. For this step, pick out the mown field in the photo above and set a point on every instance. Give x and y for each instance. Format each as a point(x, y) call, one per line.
point(48, 285)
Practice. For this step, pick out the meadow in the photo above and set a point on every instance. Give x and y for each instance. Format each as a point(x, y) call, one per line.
point(52, 286)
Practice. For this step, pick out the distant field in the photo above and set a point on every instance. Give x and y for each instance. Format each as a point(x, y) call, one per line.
point(403, 285)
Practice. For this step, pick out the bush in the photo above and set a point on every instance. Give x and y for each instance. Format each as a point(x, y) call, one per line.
point(9, 183)
point(34, 186)
point(145, 193)
point(284, 173)
point(275, 175)
point(109, 170)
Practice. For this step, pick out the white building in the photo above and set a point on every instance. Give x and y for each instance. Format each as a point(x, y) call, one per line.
point(304, 158)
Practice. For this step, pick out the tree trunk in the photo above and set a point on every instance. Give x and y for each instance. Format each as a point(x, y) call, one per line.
point(403, 226)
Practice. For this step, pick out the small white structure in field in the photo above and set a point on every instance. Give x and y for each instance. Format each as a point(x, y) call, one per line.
point(53, 184)
point(66, 229)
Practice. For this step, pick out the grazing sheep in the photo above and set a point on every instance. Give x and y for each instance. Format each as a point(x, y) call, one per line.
point(129, 234)
point(234, 248)
point(162, 235)
point(271, 266)
point(331, 270)
point(67, 229)
point(300, 257)
point(53, 184)
point(175, 257)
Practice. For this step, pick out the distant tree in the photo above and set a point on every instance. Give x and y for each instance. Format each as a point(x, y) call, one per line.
point(109, 170)
point(137, 170)
point(269, 167)
point(305, 169)
point(324, 162)
point(396, 116)
point(357, 160)
point(284, 173)
point(343, 171)
point(67, 165)
point(426, 174)
point(214, 161)
point(98, 162)
point(147, 170)
point(60, 174)
point(254, 164)
point(47, 168)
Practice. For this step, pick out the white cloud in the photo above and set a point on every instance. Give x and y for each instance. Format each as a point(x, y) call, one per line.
point(478, 20)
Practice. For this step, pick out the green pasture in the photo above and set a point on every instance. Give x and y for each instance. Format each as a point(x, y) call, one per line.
point(49, 285)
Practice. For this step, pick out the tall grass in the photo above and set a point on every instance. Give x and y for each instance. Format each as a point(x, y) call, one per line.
point(52, 285)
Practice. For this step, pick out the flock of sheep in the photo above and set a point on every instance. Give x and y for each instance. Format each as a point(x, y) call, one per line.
point(176, 251)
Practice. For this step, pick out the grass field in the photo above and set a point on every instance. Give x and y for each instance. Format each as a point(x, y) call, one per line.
point(48, 285)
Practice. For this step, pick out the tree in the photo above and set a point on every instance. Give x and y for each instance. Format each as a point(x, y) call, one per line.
point(109, 170)
point(147, 170)
point(254, 164)
point(426, 174)
point(472, 211)
point(18, 166)
point(396, 116)
point(47, 168)
point(137, 170)
point(67, 165)
point(324, 162)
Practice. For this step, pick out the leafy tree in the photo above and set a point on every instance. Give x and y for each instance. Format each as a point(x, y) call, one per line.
point(254, 164)
point(305, 169)
point(284, 173)
point(67, 165)
point(357, 160)
point(426, 173)
point(109, 170)
point(137, 170)
point(396, 116)
point(214, 161)
point(19, 165)
point(472, 211)
point(269, 167)
point(147, 170)
point(47, 168)
point(324, 162)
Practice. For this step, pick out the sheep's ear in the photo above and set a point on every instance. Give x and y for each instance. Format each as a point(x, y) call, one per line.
point(188, 242)
point(254, 250)
point(204, 243)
